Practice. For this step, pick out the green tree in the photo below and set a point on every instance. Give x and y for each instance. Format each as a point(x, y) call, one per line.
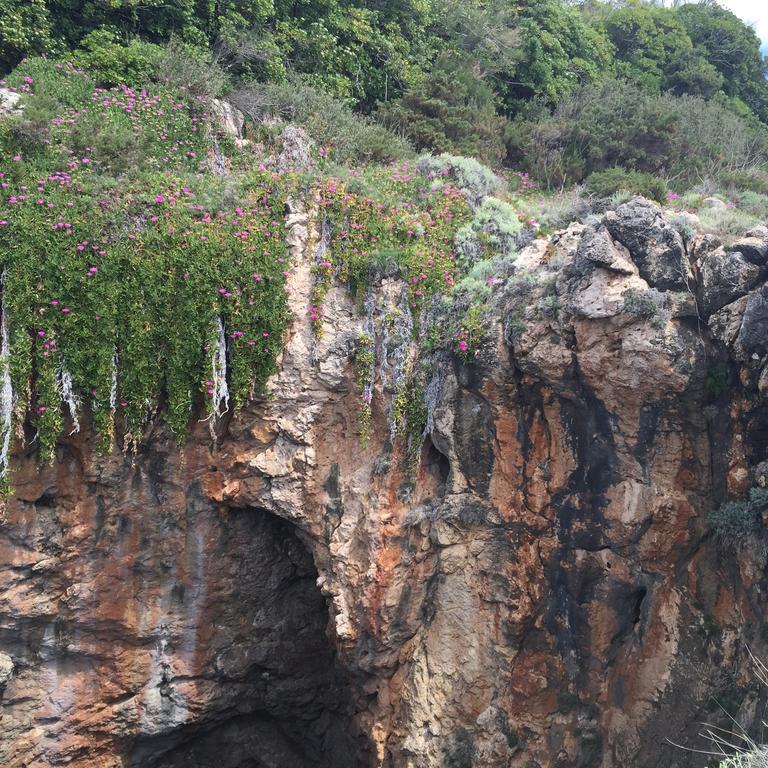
point(649, 42)
point(25, 28)
point(732, 48)
point(559, 52)
point(451, 110)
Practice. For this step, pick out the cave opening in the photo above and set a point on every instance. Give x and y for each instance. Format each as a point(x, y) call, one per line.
point(268, 690)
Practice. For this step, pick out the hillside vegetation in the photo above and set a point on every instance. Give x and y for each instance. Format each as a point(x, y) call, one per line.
point(561, 89)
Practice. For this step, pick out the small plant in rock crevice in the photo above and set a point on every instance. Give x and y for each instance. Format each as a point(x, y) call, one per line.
point(365, 361)
point(735, 522)
point(409, 414)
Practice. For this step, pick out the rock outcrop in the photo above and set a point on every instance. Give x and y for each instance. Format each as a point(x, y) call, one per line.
point(543, 589)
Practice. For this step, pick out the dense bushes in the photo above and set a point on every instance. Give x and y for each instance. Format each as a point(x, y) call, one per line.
point(669, 91)
point(620, 124)
point(450, 110)
point(110, 62)
point(124, 294)
point(345, 136)
point(612, 180)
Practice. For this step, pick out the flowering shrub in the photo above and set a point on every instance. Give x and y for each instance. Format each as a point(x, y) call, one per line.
point(415, 225)
point(470, 334)
point(136, 282)
point(125, 296)
point(473, 178)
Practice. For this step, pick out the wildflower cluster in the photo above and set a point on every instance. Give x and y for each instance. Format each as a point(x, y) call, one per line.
point(412, 222)
point(122, 298)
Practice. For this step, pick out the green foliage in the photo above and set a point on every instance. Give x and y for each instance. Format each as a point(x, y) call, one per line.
point(409, 415)
point(493, 230)
point(716, 382)
point(404, 220)
point(729, 222)
point(365, 361)
point(112, 62)
point(344, 136)
point(25, 29)
point(559, 52)
point(191, 70)
point(125, 286)
point(643, 305)
point(473, 178)
point(450, 110)
point(733, 48)
point(733, 522)
point(469, 337)
point(621, 124)
point(608, 182)
point(651, 44)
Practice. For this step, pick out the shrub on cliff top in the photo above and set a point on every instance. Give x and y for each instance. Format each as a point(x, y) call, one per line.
point(343, 135)
point(612, 180)
point(493, 230)
point(473, 178)
point(122, 295)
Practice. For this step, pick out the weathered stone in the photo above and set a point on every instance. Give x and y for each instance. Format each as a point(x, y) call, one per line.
point(753, 336)
point(230, 119)
point(726, 323)
point(724, 276)
point(9, 103)
point(295, 146)
point(653, 243)
point(542, 589)
point(6, 670)
point(755, 249)
point(597, 247)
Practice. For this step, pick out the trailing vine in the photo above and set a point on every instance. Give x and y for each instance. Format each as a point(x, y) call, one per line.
point(365, 361)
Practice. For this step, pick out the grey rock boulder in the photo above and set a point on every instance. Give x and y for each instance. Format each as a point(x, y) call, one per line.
point(596, 248)
point(9, 103)
point(724, 276)
point(6, 669)
point(755, 249)
point(230, 119)
point(725, 324)
point(753, 335)
point(655, 246)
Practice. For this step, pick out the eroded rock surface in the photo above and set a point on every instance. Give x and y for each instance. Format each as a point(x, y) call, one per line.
point(542, 590)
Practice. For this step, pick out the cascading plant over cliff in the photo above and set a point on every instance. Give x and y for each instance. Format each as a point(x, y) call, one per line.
point(146, 284)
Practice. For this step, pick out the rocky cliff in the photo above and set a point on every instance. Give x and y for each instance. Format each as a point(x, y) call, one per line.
point(539, 586)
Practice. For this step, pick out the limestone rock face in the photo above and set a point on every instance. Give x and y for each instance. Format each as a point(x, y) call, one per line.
point(9, 102)
point(655, 245)
point(723, 277)
point(539, 589)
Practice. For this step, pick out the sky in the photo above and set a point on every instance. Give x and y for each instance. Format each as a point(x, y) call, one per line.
point(753, 12)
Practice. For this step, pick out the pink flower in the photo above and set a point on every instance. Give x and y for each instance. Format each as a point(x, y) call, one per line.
point(41, 409)
point(159, 198)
